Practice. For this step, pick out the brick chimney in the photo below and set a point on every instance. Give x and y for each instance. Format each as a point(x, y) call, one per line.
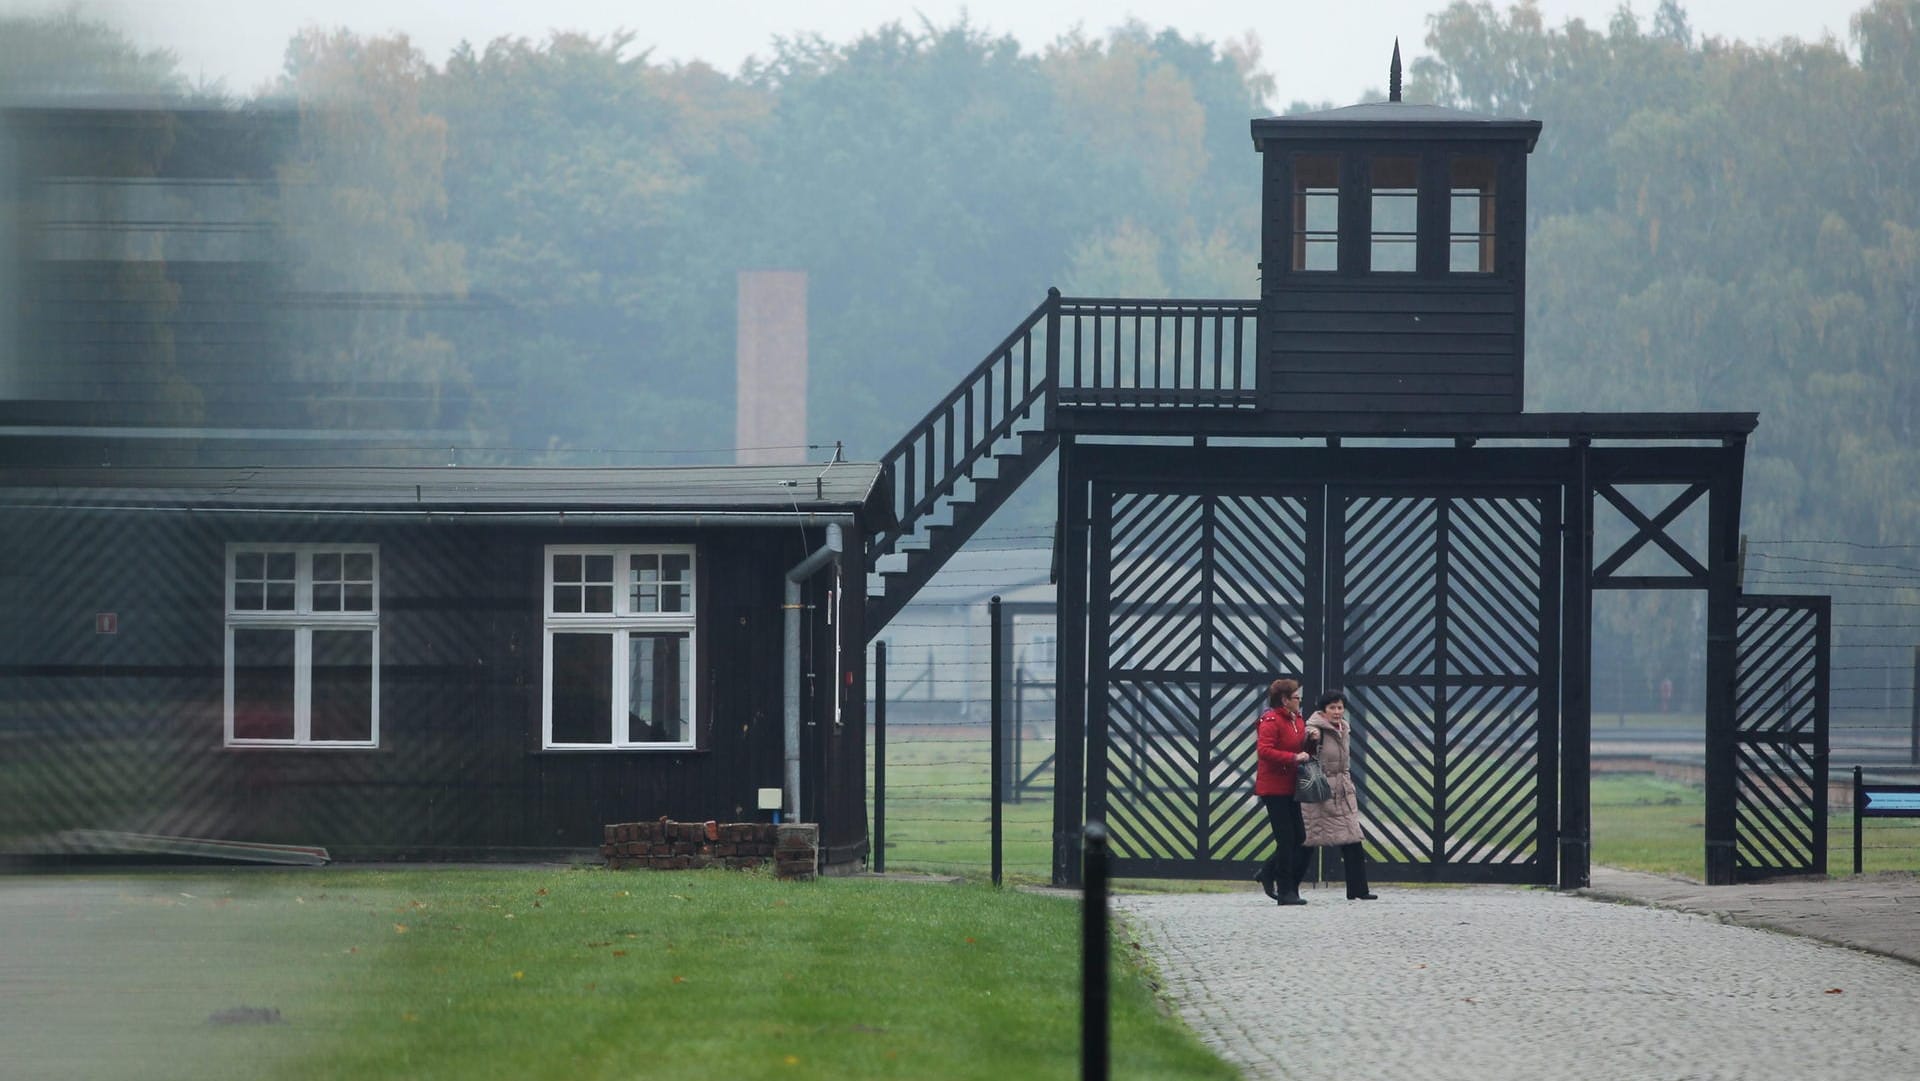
point(770, 411)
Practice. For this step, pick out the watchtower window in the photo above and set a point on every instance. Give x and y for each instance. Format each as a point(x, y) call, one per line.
point(1394, 191)
point(1470, 217)
point(1316, 212)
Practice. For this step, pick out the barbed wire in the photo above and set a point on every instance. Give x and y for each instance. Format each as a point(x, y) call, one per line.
point(1833, 542)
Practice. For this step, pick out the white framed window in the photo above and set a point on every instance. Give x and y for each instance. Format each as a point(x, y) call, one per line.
point(1394, 204)
point(617, 670)
point(303, 645)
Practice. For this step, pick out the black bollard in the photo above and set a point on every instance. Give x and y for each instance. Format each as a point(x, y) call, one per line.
point(1094, 956)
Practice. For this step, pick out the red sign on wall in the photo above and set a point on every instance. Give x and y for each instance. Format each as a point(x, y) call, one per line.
point(106, 623)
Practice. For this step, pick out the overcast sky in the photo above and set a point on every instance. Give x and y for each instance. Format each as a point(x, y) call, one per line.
point(1318, 50)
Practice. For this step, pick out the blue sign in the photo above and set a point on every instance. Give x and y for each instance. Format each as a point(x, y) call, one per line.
point(1893, 802)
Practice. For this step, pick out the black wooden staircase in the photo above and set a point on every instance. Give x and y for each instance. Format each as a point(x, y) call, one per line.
point(960, 463)
point(1071, 360)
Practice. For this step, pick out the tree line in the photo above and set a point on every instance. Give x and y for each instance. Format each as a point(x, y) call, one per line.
point(1715, 225)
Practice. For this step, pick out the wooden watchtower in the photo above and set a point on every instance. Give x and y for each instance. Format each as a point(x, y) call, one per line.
point(1338, 482)
point(1393, 259)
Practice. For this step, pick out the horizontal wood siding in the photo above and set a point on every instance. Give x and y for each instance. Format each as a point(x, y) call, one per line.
point(1401, 349)
point(124, 732)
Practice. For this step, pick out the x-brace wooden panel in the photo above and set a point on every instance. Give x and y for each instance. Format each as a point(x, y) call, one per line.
point(1652, 530)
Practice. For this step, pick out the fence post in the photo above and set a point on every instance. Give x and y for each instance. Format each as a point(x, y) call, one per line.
point(880, 757)
point(1857, 801)
point(997, 742)
point(1093, 955)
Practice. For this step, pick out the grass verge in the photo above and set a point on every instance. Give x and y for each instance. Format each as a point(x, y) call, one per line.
point(582, 973)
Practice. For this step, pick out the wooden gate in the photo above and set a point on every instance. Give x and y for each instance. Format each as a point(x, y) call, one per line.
point(1780, 736)
point(1199, 600)
point(1438, 614)
point(1447, 624)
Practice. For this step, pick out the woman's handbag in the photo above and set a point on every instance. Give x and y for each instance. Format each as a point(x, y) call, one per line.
point(1310, 783)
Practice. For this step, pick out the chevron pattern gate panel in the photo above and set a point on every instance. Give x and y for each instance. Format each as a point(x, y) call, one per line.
point(1199, 601)
point(1780, 736)
point(1444, 623)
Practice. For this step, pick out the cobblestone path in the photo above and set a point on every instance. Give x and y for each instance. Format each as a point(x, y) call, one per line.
point(1488, 983)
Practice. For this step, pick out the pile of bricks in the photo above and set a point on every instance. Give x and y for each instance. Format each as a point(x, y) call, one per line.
point(678, 846)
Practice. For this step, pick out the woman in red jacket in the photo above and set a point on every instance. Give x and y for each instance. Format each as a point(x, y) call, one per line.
point(1282, 745)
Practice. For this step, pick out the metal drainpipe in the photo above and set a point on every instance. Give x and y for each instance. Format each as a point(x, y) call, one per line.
point(790, 729)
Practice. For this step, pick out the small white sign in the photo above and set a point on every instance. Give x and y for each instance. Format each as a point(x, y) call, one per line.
point(769, 799)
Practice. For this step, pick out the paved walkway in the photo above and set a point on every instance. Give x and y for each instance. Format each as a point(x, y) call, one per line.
point(1878, 913)
point(1488, 983)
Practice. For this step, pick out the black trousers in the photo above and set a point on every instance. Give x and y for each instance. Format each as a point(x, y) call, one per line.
point(1353, 858)
point(1288, 864)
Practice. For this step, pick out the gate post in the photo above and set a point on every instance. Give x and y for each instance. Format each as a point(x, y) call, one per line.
point(1576, 661)
point(1070, 670)
point(1723, 596)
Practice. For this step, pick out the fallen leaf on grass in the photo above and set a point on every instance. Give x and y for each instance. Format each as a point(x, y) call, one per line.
point(399, 928)
point(792, 1060)
point(409, 1017)
point(679, 979)
point(353, 949)
point(247, 1015)
point(969, 940)
point(676, 896)
point(619, 953)
point(519, 975)
point(541, 892)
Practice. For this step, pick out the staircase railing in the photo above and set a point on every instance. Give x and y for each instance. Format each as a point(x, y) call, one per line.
point(1072, 352)
point(923, 467)
point(1159, 353)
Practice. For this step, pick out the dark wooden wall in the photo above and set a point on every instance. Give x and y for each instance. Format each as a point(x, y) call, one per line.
point(124, 731)
point(1353, 341)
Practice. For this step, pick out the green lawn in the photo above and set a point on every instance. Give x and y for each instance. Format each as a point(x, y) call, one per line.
point(581, 973)
point(1643, 823)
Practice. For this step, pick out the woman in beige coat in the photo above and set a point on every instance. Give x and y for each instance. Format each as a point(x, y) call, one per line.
point(1336, 821)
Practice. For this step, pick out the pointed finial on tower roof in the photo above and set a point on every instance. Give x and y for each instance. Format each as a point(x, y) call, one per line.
point(1393, 74)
